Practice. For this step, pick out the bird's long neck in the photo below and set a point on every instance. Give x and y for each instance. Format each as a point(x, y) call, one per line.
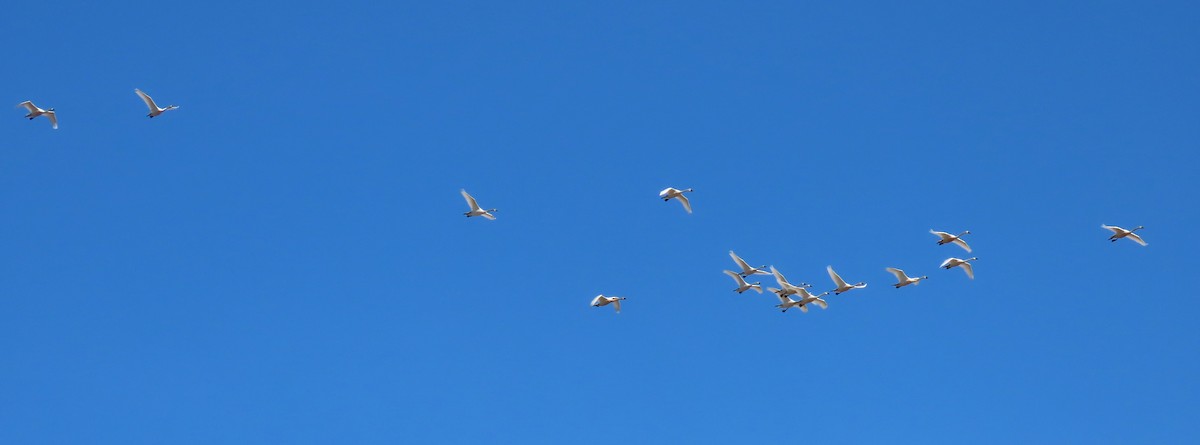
point(1136, 229)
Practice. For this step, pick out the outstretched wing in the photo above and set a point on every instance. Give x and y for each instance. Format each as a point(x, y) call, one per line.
point(736, 277)
point(757, 288)
point(742, 264)
point(963, 244)
point(687, 205)
point(943, 235)
point(969, 270)
point(1135, 238)
point(146, 98)
point(617, 305)
point(837, 279)
point(1114, 229)
point(898, 273)
point(821, 303)
point(489, 216)
point(29, 106)
point(470, 200)
point(53, 119)
point(947, 262)
point(783, 282)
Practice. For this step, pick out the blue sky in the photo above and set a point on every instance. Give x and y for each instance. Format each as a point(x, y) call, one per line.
point(284, 259)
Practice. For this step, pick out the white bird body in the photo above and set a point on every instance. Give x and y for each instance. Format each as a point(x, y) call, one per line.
point(673, 193)
point(806, 298)
point(154, 109)
point(1119, 233)
point(951, 263)
point(742, 284)
point(746, 269)
point(842, 286)
point(34, 111)
point(786, 288)
point(946, 238)
point(904, 280)
point(475, 210)
point(602, 300)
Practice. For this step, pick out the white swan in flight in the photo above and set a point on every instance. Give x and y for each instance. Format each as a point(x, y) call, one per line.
point(956, 239)
point(34, 111)
point(475, 210)
point(903, 279)
point(806, 298)
point(154, 109)
point(786, 288)
point(742, 284)
point(841, 284)
point(672, 192)
point(746, 269)
point(602, 300)
point(951, 263)
point(1119, 233)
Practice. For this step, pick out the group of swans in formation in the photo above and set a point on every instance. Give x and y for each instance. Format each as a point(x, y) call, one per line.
point(34, 111)
point(803, 297)
point(786, 289)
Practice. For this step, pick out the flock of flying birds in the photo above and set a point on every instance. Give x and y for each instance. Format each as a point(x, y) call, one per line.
point(803, 297)
point(35, 111)
point(786, 290)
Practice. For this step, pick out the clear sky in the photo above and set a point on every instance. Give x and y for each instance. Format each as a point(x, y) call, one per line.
point(284, 258)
